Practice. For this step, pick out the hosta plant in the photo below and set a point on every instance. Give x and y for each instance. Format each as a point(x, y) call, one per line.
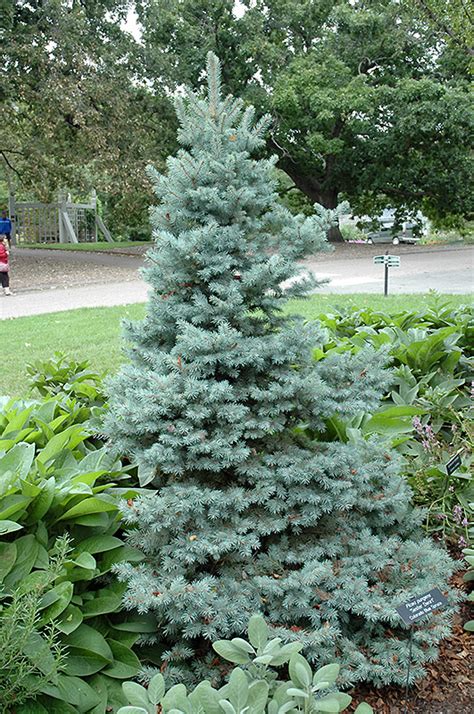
point(252, 688)
point(427, 410)
point(55, 480)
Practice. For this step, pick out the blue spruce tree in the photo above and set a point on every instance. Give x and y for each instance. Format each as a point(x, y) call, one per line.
point(251, 507)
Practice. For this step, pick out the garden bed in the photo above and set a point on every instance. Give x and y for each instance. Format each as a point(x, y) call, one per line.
point(447, 689)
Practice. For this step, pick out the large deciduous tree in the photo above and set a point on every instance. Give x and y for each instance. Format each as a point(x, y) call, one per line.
point(76, 113)
point(367, 100)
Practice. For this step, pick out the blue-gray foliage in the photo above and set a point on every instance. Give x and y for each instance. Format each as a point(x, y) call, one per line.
point(247, 513)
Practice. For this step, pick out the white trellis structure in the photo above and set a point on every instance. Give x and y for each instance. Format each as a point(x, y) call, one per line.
point(60, 222)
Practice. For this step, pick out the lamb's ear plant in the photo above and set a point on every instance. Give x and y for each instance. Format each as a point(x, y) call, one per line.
point(253, 689)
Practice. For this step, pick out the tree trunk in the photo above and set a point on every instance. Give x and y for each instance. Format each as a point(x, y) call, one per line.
point(335, 235)
point(314, 191)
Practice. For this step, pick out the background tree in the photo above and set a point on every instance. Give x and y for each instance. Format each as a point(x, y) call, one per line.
point(76, 112)
point(368, 102)
point(453, 20)
point(227, 414)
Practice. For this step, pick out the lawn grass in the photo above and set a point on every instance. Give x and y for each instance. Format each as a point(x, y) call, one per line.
point(86, 246)
point(95, 333)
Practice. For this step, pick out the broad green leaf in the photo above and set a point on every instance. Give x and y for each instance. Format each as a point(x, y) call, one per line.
point(230, 652)
point(85, 560)
point(175, 698)
point(237, 689)
point(73, 690)
point(94, 504)
point(87, 639)
point(31, 707)
point(258, 631)
point(102, 605)
point(42, 503)
point(285, 653)
point(328, 673)
point(70, 620)
point(39, 653)
point(343, 699)
point(140, 623)
point(119, 555)
point(297, 665)
point(328, 704)
point(364, 709)
point(258, 695)
point(80, 664)
point(206, 697)
point(98, 544)
point(243, 645)
point(13, 506)
point(295, 692)
point(156, 688)
point(126, 664)
point(64, 592)
point(9, 527)
point(227, 707)
point(7, 558)
point(27, 551)
point(135, 694)
point(69, 438)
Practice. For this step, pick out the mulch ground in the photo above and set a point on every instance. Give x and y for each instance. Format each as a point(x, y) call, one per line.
point(448, 688)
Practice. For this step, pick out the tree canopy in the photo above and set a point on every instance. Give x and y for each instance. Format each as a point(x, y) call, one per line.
point(78, 115)
point(369, 99)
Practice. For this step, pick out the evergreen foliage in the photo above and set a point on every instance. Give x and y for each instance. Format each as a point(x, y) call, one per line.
point(254, 508)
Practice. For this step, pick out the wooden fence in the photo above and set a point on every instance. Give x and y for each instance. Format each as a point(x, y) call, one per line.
point(60, 222)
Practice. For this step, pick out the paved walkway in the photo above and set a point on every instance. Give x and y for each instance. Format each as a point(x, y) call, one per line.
point(58, 300)
point(447, 269)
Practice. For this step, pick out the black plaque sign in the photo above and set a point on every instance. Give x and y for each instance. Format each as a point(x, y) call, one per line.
point(421, 605)
point(453, 464)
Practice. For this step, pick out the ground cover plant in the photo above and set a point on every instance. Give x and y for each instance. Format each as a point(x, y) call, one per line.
point(59, 481)
point(250, 506)
point(252, 688)
point(35, 339)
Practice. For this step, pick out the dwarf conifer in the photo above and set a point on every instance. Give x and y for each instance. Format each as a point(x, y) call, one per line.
point(253, 505)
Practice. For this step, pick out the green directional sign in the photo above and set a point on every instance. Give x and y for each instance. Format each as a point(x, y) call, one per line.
point(391, 260)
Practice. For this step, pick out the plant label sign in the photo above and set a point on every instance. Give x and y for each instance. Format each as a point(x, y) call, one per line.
point(421, 605)
point(393, 261)
point(453, 464)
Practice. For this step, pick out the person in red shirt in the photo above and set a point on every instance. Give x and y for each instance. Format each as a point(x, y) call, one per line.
point(4, 265)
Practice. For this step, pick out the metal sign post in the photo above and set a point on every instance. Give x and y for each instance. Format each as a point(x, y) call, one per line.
point(388, 261)
point(412, 610)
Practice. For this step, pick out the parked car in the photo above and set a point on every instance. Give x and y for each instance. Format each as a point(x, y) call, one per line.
point(387, 234)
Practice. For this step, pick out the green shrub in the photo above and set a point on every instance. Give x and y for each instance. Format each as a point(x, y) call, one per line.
point(252, 689)
point(57, 478)
point(67, 377)
point(427, 412)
